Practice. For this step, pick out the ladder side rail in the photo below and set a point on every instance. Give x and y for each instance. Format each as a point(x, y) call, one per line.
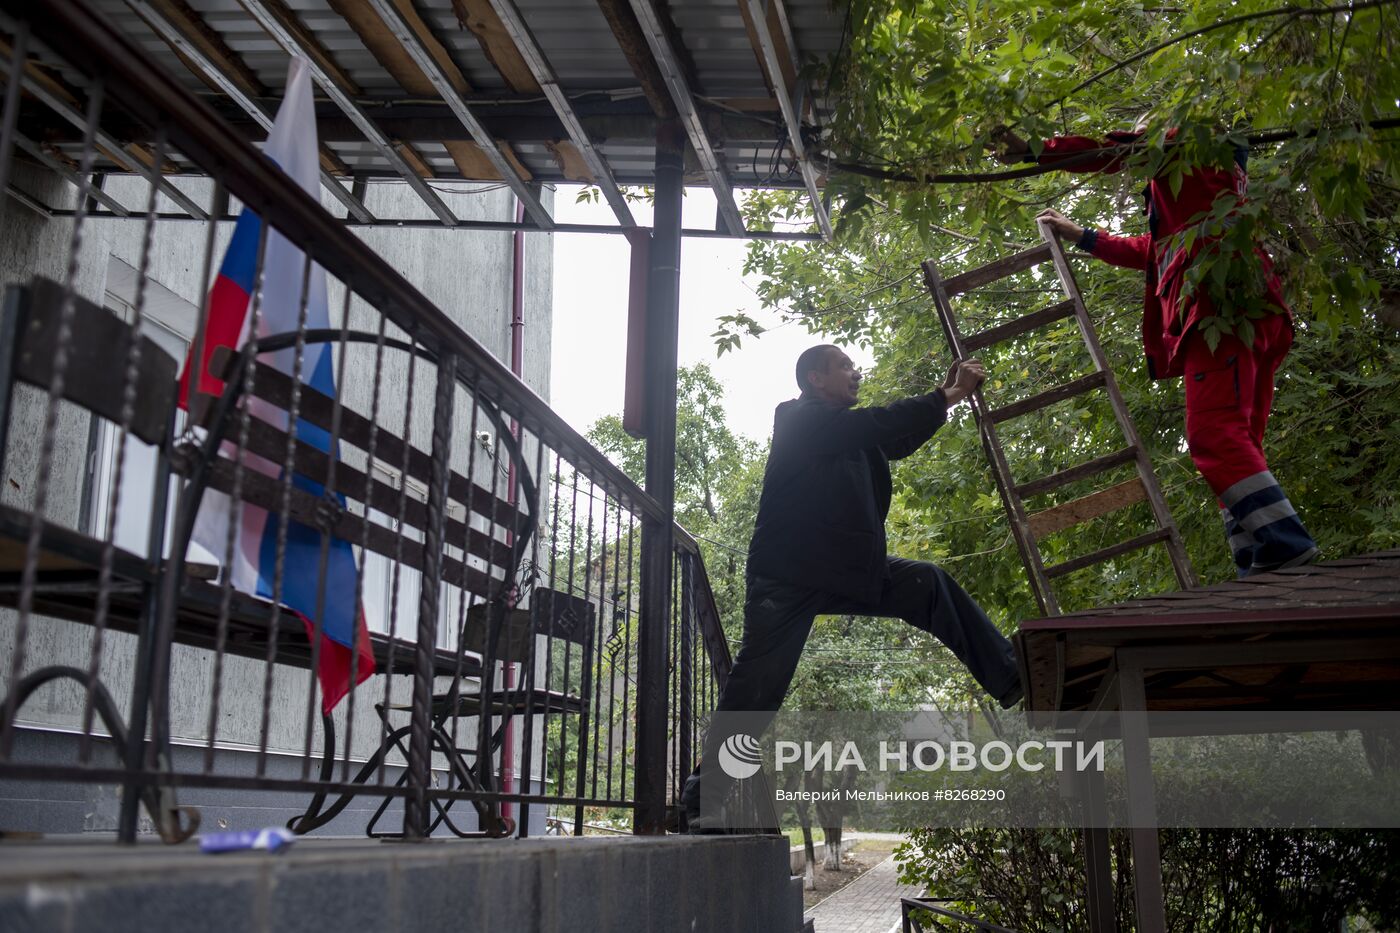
point(1001, 470)
point(1176, 549)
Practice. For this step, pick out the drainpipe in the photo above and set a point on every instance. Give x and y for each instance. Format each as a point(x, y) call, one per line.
point(517, 363)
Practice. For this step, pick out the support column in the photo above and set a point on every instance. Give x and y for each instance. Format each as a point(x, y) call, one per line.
point(663, 311)
point(1097, 856)
point(1142, 803)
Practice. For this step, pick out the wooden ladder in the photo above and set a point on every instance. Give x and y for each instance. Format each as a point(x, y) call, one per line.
point(1028, 528)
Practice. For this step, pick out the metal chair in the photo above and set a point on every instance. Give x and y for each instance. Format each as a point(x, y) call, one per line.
point(67, 346)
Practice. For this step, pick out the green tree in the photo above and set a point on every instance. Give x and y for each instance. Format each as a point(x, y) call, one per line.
point(919, 91)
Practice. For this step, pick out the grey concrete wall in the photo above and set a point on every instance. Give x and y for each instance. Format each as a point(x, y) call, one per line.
point(466, 273)
point(735, 884)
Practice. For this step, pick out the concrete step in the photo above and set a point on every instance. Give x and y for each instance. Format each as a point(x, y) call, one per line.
point(717, 884)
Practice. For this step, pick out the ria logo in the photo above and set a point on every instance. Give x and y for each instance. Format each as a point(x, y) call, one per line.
point(740, 756)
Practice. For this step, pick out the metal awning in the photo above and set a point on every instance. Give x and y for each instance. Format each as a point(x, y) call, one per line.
point(519, 92)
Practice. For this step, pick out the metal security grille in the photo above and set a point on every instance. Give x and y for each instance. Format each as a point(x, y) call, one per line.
point(1029, 527)
point(503, 548)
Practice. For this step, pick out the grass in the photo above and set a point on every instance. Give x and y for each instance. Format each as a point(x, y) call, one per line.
point(795, 836)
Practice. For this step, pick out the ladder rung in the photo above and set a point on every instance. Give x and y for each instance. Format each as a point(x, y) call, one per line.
point(972, 278)
point(1084, 470)
point(1077, 511)
point(1099, 556)
point(1019, 326)
point(1058, 394)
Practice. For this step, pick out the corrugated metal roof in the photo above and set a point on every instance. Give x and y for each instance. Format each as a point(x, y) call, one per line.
point(576, 38)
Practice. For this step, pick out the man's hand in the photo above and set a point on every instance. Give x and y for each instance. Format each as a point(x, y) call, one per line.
point(962, 379)
point(1066, 228)
point(1008, 147)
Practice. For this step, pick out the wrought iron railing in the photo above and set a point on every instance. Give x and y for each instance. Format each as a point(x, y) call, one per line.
point(497, 551)
point(924, 914)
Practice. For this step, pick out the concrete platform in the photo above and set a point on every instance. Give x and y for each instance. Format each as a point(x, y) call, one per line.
point(660, 885)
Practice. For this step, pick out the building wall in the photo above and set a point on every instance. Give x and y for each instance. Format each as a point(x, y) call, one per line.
point(465, 273)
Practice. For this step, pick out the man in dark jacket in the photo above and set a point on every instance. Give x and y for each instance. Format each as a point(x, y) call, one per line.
point(819, 543)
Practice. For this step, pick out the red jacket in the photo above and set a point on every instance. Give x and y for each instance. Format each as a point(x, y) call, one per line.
point(1167, 314)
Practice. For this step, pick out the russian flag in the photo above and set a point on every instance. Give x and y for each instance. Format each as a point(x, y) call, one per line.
point(292, 145)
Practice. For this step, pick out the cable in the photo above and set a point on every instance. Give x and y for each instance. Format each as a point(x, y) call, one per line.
point(957, 178)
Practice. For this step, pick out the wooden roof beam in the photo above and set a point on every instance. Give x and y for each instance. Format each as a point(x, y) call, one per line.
point(60, 98)
point(399, 62)
point(296, 39)
point(772, 57)
point(673, 74)
point(633, 42)
point(442, 79)
point(479, 17)
point(223, 70)
point(524, 41)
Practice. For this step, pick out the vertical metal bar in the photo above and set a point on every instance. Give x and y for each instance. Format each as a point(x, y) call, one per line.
point(597, 658)
point(558, 484)
point(370, 449)
point(397, 573)
point(685, 756)
point(996, 457)
point(627, 648)
point(130, 376)
point(673, 685)
point(568, 643)
point(329, 497)
point(30, 574)
point(1176, 550)
point(463, 603)
point(19, 51)
point(587, 688)
point(10, 328)
point(614, 682)
point(235, 497)
point(415, 824)
point(662, 328)
point(284, 521)
point(496, 618)
point(527, 740)
point(194, 380)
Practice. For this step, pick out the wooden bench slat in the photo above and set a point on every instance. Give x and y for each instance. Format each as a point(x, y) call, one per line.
point(311, 462)
point(265, 491)
point(274, 386)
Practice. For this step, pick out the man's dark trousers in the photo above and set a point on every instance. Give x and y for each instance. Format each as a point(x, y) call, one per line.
point(778, 617)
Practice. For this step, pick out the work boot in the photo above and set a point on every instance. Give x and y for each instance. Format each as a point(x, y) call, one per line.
point(1241, 543)
point(1261, 508)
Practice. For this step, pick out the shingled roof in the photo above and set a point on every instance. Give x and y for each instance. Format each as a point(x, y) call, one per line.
point(1067, 657)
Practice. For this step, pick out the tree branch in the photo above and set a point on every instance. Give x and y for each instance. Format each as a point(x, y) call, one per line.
point(1255, 139)
point(1233, 20)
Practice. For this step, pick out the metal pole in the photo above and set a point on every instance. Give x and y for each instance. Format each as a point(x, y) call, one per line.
point(662, 325)
point(420, 765)
point(1097, 859)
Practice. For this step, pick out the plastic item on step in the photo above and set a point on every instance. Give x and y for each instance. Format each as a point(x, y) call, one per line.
point(272, 840)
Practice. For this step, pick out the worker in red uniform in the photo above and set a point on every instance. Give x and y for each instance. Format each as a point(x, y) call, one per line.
point(1229, 390)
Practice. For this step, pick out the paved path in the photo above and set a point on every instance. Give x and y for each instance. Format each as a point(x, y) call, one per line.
point(870, 904)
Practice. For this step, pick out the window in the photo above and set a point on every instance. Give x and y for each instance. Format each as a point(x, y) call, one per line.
point(169, 321)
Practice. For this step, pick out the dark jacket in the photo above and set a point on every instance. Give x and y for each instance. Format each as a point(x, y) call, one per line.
point(826, 491)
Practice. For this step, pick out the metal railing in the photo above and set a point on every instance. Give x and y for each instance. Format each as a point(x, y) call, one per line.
point(495, 553)
point(914, 912)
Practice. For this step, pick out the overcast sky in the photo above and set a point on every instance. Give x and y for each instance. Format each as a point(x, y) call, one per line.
point(590, 319)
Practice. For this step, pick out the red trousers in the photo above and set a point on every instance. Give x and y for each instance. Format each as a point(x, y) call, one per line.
point(1228, 396)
